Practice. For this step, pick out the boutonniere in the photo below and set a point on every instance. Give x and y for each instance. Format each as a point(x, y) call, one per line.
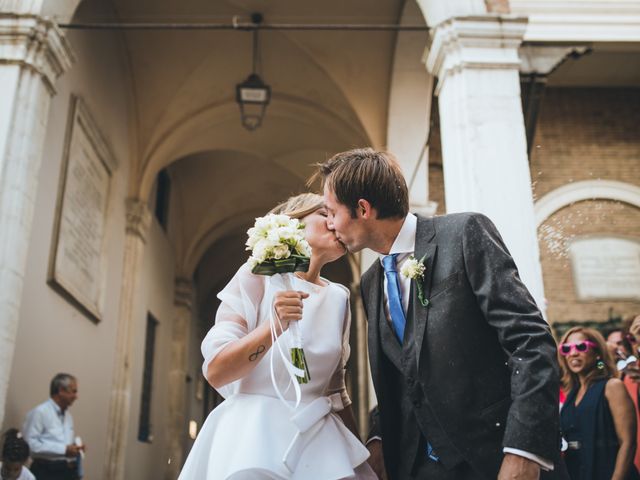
point(414, 269)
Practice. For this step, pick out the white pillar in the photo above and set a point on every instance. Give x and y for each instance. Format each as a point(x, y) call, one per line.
point(33, 54)
point(484, 146)
point(138, 223)
point(410, 97)
point(177, 376)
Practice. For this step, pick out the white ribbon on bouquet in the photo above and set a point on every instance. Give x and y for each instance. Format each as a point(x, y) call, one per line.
point(283, 281)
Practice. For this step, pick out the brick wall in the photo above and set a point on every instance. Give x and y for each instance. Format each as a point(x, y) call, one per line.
point(584, 134)
point(554, 236)
point(497, 6)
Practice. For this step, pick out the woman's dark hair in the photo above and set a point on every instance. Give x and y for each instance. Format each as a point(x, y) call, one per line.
point(14, 447)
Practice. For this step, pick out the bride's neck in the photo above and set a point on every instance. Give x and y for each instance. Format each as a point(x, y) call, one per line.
point(313, 274)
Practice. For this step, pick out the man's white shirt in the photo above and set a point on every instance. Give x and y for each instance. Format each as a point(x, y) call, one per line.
point(48, 430)
point(405, 245)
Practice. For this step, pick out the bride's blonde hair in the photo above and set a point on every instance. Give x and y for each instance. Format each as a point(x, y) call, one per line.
point(299, 206)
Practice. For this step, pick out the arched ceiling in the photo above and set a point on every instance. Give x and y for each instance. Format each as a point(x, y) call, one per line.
point(219, 193)
point(330, 92)
point(182, 77)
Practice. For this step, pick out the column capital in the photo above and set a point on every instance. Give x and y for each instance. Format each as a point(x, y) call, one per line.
point(183, 293)
point(138, 218)
point(543, 59)
point(35, 43)
point(483, 42)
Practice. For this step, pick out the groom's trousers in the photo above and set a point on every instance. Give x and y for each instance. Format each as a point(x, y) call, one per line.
point(426, 469)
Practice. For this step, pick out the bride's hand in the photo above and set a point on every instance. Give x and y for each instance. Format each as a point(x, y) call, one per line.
point(288, 306)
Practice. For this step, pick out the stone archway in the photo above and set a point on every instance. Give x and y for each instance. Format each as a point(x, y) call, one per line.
point(585, 190)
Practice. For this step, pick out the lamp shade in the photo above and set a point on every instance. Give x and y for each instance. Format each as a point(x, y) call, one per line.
point(253, 96)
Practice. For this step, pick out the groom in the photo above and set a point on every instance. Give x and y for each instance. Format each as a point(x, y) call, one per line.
point(466, 376)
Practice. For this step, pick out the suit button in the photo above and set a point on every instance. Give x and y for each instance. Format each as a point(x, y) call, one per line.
point(417, 403)
point(410, 381)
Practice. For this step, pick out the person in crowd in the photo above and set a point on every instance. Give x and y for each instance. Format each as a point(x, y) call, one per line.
point(15, 453)
point(48, 429)
point(634, 328)
point(617, 345)
point(597, 419)
point(632, 378)
point(462, 361)
point(259, 431)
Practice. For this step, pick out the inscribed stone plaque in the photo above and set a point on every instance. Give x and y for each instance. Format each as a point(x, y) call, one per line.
point(78, 261)
point(606, 268)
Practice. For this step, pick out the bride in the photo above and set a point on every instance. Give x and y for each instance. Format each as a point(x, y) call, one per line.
point(268, 427)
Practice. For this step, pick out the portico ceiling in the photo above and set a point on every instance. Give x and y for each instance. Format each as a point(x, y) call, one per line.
point(330, 92)
point(179, 74)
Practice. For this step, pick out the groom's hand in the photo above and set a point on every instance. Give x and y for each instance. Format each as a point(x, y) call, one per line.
point(515, 467)
point(376, 460)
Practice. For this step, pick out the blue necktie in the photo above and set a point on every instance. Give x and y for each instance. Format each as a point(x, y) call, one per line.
point(396, 311)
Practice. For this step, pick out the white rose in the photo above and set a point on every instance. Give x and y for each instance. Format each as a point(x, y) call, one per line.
point(262, 223)
point(273, 237)
point(261, 250)
point(253, 261)
point(281, 251)
point(303, 248)
point(283, 220)
point(288, 232)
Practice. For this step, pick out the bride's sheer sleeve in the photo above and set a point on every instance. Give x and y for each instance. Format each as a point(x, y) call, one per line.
point(337, 382)
point(237, 314)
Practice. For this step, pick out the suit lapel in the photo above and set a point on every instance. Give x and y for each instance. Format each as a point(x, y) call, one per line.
point(425, 231)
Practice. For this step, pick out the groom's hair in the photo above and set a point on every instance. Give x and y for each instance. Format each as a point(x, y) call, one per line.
point(368, 174)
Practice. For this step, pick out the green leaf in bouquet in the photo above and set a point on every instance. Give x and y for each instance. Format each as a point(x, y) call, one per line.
point(264, 268)
point(285, 265)
point(298, 359)
point(295, 263)
point(302, 263)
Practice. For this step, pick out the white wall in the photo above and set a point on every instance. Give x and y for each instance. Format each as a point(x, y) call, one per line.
point(410, 106)
point(149, 460)
point(53, 335)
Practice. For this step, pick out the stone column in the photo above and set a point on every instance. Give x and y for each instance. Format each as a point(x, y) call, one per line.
point(138, 223)
point(178, 375)
point(362, 359)
point(33, 54)
point(484, 145)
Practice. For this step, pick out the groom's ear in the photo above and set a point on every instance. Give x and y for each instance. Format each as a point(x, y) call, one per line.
point(364, 209)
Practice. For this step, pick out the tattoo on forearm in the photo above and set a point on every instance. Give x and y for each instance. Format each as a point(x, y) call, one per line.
point(254, 356)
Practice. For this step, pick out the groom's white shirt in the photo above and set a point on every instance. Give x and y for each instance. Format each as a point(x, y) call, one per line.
point(405, 245)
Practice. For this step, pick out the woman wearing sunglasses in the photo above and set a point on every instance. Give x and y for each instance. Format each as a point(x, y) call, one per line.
point(598, 419)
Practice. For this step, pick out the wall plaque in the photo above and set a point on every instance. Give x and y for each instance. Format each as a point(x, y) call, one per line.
point(77, 266)
point(606, 267)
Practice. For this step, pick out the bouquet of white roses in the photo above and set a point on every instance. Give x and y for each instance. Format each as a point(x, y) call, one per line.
point(278, 246)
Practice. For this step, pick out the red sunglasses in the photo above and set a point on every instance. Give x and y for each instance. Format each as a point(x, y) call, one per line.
point(567, 348)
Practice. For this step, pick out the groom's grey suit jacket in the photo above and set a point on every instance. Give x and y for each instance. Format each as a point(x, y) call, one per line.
point(477, 369)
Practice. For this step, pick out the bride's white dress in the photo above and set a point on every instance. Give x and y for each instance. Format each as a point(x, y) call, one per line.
point(253, 434)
